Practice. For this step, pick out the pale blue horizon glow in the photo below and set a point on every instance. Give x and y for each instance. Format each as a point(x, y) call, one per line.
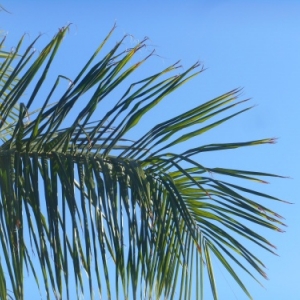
point(250, 44)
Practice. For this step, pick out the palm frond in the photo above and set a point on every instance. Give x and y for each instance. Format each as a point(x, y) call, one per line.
point(141, 219)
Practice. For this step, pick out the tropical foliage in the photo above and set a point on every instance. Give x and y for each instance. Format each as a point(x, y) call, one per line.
point(80, 202)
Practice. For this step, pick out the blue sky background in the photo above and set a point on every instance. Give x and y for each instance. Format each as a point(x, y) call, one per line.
point(250, 44)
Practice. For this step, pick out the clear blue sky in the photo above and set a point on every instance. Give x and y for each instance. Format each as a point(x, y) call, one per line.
point(250, 44)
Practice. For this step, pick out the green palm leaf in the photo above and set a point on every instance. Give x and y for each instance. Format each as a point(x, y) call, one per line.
point(140, 219)
point(7, 82)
